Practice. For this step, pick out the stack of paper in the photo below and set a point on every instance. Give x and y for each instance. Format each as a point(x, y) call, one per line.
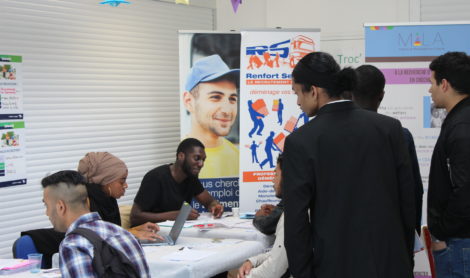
point(10, 266)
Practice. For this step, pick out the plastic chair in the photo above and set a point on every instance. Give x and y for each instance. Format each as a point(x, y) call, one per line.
point(427, 245)
point(24, 246)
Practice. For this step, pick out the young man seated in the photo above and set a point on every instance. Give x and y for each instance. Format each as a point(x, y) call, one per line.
point(166, 187)
point(267, 217)
point(66, 201)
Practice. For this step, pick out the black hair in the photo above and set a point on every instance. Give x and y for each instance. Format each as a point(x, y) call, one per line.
point(69, 177)
point(455, 68)
point(227, 46)
point(187, 145)
point(370, 86)
point(321, 70)
point(279, 160)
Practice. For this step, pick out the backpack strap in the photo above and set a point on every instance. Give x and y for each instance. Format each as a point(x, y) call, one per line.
point(98, 244)
point(93, 237)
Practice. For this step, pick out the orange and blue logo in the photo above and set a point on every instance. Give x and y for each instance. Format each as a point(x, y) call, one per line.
point(285, 53)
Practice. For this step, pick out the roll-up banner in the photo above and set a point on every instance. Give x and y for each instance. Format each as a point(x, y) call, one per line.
point(209, 104)
point(268, 106)
point(236, 98)
point(403, 53)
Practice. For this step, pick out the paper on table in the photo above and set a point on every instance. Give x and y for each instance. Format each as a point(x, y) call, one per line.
point(8, 262)
point(170, 223)
point(216, 242)
point(11, 264)
point(245, 225)
point(205, 218)
point(188, 255)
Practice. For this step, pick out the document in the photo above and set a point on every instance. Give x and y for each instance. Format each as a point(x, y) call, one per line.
point(188, 255)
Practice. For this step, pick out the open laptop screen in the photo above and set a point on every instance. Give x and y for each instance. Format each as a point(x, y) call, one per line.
point(180, 220)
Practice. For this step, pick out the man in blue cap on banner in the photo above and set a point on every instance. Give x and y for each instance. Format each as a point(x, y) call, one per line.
point(211, 97)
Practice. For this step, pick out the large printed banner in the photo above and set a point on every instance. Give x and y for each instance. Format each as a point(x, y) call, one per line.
point(268, 106)
point(209, 94)
point(12, 151)
point(403, 54)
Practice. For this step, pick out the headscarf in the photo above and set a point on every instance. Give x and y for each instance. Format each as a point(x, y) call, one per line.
point(101, 168)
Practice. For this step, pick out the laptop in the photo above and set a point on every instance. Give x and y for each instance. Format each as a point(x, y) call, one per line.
point(171, 238)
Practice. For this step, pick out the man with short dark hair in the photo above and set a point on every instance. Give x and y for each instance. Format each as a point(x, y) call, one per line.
point(164, 189)
point(65, 197)
point(368, 94)
point(449, 177)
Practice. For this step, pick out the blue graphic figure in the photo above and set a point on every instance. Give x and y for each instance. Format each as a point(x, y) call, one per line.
point(279, 112)
point(254, 154)
point(114, 3)
point(270, 146)
point(257, 119)
point(303, 117)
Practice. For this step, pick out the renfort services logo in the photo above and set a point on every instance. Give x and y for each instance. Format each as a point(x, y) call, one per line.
point(280, 54)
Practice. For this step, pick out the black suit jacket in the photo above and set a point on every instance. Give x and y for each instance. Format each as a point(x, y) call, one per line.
point(350, 168)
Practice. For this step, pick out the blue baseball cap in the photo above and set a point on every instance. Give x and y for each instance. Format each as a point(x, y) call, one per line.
point(207, 69)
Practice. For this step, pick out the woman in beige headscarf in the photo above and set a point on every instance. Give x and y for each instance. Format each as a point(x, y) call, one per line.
point(106, 181)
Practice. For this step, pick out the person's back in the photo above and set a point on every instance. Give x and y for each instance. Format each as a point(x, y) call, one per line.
point(356, 215)
point(67, 206)
point(368, 94)
point(349, 205)
point(77, 252)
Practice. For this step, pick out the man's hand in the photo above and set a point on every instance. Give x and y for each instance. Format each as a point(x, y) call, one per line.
point(147, 231)
point(438, 245)
point(193, 215)
point(217, 210)
point(244, 269)
point(265, 210)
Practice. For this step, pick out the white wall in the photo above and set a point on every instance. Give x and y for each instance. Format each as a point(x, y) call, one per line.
point(334, 17)
point(341, 21)
point(95, 78)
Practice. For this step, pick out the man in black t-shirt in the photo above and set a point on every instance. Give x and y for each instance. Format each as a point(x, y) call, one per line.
point(164, 188)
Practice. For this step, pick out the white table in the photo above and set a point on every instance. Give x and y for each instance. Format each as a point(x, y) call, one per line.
point(227, 254)
point(240, 229)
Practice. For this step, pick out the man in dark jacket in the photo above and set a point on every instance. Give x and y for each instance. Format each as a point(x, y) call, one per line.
point(449, 177)
point(349, 207)
point(368, 94)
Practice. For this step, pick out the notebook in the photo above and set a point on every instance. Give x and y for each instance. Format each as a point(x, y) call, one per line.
point(171, 238)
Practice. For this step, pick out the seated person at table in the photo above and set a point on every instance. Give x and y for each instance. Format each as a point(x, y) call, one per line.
point(267, 216)
point(105, 175)
point(274, 263)
point(164, 188)
point(65, 198)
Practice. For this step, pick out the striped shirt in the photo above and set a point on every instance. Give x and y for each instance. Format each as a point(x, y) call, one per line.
point(76, 252)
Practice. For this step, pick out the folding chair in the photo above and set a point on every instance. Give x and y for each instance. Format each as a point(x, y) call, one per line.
point(23, 246)
point(427, 246)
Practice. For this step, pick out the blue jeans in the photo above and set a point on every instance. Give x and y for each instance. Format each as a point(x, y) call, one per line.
point(453, 261)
